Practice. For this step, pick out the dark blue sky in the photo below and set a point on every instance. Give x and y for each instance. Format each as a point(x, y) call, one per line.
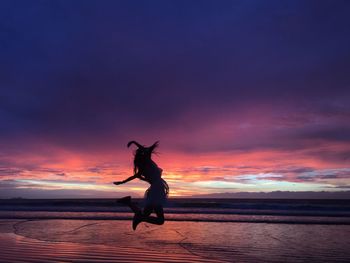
point(87, 76)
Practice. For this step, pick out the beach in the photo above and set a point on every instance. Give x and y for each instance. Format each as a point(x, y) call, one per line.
point(195, 230)
point(62, 240)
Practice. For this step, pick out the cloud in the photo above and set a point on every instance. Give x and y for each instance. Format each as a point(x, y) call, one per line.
point(95, 87)
point(8, 171)
point(261, 85)
point(321, 175)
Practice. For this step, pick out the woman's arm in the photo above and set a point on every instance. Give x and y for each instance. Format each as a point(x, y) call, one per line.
point(137, 175)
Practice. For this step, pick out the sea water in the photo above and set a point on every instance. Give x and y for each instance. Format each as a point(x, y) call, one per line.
point(298, 211)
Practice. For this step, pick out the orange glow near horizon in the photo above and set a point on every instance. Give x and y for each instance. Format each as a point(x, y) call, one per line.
point(187, 174)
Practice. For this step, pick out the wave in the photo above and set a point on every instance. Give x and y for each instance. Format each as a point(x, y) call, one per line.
point(210, 210)
point(219, 218)
point(256, 204)
point(174, 210)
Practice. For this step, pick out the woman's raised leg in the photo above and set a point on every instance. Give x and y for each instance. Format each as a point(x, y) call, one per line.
point(158, 220)
point(146, 216)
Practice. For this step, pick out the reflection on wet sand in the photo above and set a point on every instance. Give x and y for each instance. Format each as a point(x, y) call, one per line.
point(99, 240)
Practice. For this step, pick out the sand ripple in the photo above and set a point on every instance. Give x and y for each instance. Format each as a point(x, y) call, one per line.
point(15, 248)
point(114, 241)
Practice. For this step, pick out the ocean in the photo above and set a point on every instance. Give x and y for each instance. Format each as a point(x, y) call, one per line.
point(291, 211)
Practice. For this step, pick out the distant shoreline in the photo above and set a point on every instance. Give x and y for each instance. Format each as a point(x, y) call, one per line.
point(277, 195)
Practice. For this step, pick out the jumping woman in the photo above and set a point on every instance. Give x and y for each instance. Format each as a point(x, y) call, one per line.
point(156, 195)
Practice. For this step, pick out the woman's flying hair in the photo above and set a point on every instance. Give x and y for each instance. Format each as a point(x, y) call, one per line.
point(136, 143)
point(142, 154)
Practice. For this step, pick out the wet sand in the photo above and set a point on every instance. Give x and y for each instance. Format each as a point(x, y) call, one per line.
point(115, 241)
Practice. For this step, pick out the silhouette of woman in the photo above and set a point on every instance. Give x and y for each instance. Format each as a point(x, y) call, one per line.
point(156, 195)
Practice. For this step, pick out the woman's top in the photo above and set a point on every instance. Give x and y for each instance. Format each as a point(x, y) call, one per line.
point(152, 172)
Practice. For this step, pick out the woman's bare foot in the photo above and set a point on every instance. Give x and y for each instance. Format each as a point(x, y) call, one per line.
point(136, 220)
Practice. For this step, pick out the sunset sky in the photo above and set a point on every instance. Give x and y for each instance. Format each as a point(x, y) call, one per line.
point(244, 96)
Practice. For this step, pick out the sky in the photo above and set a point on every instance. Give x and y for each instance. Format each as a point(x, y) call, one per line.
point(244, 96)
